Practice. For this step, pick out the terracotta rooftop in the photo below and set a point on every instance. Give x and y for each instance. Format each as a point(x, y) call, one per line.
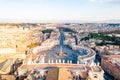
point(84, 74)
point(109, 60)
point(7, 77)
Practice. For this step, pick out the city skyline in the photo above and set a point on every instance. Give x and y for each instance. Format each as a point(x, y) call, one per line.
point(59, 10)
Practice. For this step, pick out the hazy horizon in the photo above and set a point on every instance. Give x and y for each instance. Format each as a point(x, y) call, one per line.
point(59, 10)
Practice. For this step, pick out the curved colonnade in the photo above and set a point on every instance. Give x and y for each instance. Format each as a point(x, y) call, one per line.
point(83, 59)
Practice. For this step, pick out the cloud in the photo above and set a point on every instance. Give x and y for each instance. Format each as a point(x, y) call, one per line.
point(101, 0)
point(111, 1)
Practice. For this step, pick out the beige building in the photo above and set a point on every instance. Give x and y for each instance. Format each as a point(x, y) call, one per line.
point(95, 72)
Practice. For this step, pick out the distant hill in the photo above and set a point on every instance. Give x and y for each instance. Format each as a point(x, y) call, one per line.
point(5, 20)
point(110, 21)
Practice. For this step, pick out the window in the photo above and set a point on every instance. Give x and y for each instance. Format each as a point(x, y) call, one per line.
point(95, 75)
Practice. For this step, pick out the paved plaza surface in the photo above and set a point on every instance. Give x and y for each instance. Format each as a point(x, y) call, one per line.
point(72, 55)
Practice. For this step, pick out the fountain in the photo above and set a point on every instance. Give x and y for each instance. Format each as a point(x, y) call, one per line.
point(61, 53)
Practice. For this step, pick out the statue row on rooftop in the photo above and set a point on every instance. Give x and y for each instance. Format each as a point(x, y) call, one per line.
point(60, 61)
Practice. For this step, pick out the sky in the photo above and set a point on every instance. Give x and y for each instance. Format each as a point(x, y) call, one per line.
point(59, 10)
